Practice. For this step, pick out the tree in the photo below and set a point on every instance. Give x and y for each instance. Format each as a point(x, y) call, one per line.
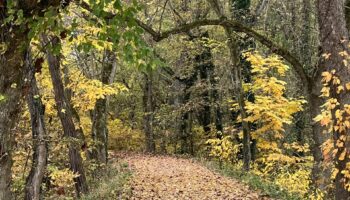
point(333, 71)
point(65, 115)
point(39, 135)
point(14, 43)
point(148, 118)
point(99, 114)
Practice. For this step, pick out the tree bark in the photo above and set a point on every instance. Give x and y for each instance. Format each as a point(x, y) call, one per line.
point(205, 67)
point(76, 117)
point(37, 110)
point(15, 41)
point(11, 82)
point(347, 13)
point(320, 175)
point(333, 32)
point(99, 119)
point(66, 117)
point(148, 104)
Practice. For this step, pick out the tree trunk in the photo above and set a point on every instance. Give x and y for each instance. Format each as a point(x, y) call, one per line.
point(333, 32)
point(148, 104)
point(11, 81)
point(99, 121)
point(240, 97)
point(320, 174)
point(239, 8)
point(37, 110)
point(347, 13)
point(15, 41)
point(205, 68)
point(69, 94)
point(66, 117)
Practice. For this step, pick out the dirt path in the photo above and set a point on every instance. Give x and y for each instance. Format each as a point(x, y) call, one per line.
point(168, 178)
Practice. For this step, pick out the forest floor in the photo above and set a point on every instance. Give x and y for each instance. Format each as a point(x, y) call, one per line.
point(164, 177)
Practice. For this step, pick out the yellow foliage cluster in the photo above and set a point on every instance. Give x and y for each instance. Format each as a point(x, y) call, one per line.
point(88, 91)
point(297, 181)
point(124, 137)
point(271, 111)
point(223, 148)
point(62, 178)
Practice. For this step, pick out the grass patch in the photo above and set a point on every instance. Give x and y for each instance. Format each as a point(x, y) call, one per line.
point(112, 184)
point(266, 188)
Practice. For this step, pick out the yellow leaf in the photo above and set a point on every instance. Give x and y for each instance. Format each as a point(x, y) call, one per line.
point(326, 77)
point(339, 89)
point(326, 55)
point(342, 155)
point(347, 86)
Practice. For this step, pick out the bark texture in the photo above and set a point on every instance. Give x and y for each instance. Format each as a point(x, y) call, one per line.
point(66, 117)
point(99, 118)
point(148, 104)
point(37, 111)
point(11, 82)
point(333, 31)
point(15, 42)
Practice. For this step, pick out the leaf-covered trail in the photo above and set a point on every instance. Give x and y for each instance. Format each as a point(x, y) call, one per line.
point(161, 177)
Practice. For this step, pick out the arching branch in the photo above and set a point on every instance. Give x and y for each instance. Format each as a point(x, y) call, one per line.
point(237, 27)
point(223, 22)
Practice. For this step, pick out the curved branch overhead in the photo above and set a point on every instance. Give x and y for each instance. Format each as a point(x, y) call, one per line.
point(237, 27)
point(223, 22)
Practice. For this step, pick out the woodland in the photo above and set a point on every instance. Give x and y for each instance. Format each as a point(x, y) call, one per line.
point(174, 99)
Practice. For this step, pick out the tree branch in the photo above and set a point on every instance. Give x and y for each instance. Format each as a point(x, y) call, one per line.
point(237, 27)
point(226, 23)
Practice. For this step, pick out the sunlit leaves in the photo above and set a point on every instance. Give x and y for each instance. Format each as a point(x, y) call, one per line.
point(223, 148)
point(61, 178)
point(327, 77)
point(271, 109)
point(2, 97)
point(88, 91)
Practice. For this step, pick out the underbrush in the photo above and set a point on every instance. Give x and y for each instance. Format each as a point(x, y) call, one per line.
point(110, 184)
point(265, 187)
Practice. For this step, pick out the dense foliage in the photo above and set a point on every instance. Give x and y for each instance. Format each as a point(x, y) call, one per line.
point(260, 87)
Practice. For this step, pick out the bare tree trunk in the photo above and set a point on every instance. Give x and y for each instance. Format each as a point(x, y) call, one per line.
point(37, 110)
point(205, 67)
point(66, 117)
point(148, 104)
point(238, 88)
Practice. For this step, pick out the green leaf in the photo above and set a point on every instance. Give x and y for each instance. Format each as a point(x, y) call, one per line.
point(2, 97)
